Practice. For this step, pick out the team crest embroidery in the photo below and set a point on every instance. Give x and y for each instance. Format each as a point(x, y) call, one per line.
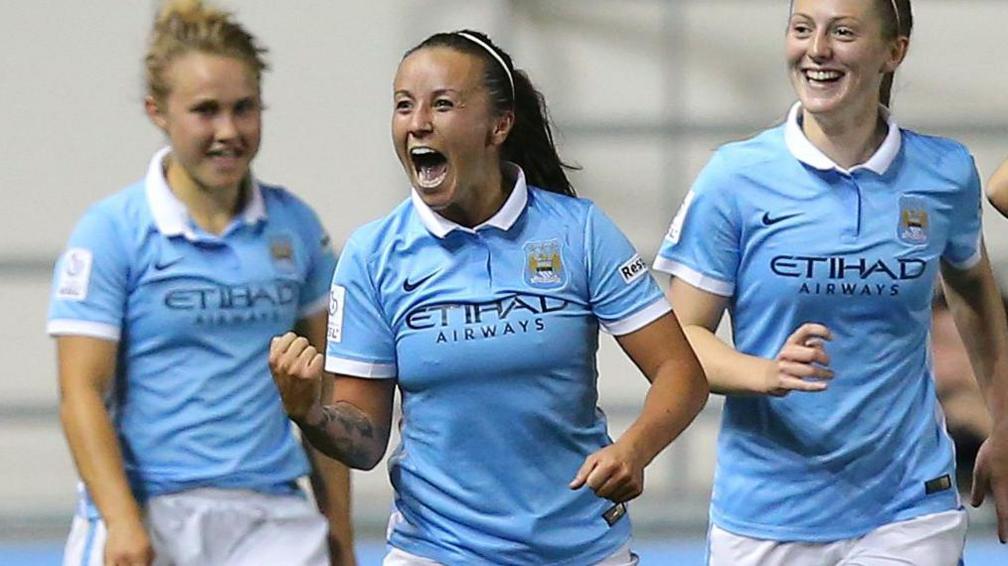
point(544, 264)
point(281, 249)
point(913, 220)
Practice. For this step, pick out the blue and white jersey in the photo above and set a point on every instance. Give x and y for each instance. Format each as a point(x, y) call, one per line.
point(789, 237)
point(193, 402)
point(491, 334)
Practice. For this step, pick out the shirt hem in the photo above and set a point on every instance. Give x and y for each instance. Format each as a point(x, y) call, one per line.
point(428, 551)
point(819, 535)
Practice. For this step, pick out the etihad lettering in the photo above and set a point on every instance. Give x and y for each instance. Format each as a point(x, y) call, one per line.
point(451, 314)
point(236, 297)
point(842, 268)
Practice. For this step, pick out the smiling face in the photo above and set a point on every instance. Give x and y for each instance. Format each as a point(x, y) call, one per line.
point(212, 116)
point(445, 131)
point(837, 55)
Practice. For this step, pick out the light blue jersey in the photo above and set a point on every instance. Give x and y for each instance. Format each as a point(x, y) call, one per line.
point(193, 402)
point(791, 238)
point(491, 334)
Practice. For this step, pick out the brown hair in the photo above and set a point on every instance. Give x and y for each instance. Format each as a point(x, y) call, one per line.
point(189, 25)
point(897, 21)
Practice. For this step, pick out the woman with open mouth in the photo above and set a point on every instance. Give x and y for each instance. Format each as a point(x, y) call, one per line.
point(824, 237)
point(480, 298)
point(162, 308)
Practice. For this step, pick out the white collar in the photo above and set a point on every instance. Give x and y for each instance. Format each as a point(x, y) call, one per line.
point(171, 216)
point(803, 150)
point(503, 219)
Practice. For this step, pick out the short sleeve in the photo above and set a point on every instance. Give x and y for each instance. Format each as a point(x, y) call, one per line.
point(89, 289)
point(702, 244)
point(623, 295)
point(359, 341)
point(321, 264)
point(962, 250)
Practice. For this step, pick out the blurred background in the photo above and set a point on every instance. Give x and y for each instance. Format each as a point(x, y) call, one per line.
point(641, 92)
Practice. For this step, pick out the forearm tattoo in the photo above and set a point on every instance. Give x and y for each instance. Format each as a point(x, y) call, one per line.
point(343, 432)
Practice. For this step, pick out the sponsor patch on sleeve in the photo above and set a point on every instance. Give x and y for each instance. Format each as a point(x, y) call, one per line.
point(675, 230)
point(75, 275)
point(337, 302)
point(633, 269)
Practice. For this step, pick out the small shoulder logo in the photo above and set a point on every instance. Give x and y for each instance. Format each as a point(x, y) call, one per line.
point(75, 274)
point(770, 221)
point(410, 287)
point(913, 220)
point(544, 264)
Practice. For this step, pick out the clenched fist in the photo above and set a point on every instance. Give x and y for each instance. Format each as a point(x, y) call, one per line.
point(297, 370)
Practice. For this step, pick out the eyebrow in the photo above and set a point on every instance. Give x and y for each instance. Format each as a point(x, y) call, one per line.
point(436, 92)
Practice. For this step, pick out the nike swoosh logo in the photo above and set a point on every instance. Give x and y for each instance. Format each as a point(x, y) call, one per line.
point(767, 221)
point(407, 286)
point(160, 264)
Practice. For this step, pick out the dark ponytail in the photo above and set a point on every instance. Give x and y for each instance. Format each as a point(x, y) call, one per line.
point(530, 142)
point(897, 21)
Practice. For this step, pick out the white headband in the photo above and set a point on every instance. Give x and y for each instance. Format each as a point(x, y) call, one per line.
point(495, 55)
point(899, 24)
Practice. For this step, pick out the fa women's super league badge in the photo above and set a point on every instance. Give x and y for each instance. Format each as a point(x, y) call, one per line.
point(544, 264)
point(913, 220)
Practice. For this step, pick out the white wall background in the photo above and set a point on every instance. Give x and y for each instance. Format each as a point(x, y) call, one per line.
point(642, 91)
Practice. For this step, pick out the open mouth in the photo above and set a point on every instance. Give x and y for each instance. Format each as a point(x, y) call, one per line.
point(431, 166)
point(822, 77)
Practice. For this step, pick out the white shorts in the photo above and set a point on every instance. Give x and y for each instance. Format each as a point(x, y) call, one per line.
point(929, 540)
point(217, 526)
point(397, 557)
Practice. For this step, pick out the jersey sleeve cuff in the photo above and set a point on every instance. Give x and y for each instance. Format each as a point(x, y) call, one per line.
point(318, 305)
point(639, 319)
point(65, 327)
point(355, 368)
point(694, 277)
point(966, 264)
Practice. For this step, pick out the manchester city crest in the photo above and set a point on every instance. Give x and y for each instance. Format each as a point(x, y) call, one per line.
point(281, 248)
point(544, 264)
point(913, 220)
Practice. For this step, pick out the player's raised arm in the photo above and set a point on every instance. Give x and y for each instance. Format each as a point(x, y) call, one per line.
point(353, 424)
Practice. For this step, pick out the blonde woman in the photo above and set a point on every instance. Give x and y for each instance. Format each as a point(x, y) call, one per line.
point(162, 307)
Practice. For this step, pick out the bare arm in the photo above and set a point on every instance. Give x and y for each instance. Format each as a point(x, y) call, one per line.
point(997, 189)
point(86, 370)
point(732, 372)
point(330, 478)
point(353, 424)
point(677, 394)
point(975, 302)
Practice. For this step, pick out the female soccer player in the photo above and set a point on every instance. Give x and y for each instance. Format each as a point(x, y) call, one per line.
point(162, 306)
point(824, 237)
point(481, 297)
